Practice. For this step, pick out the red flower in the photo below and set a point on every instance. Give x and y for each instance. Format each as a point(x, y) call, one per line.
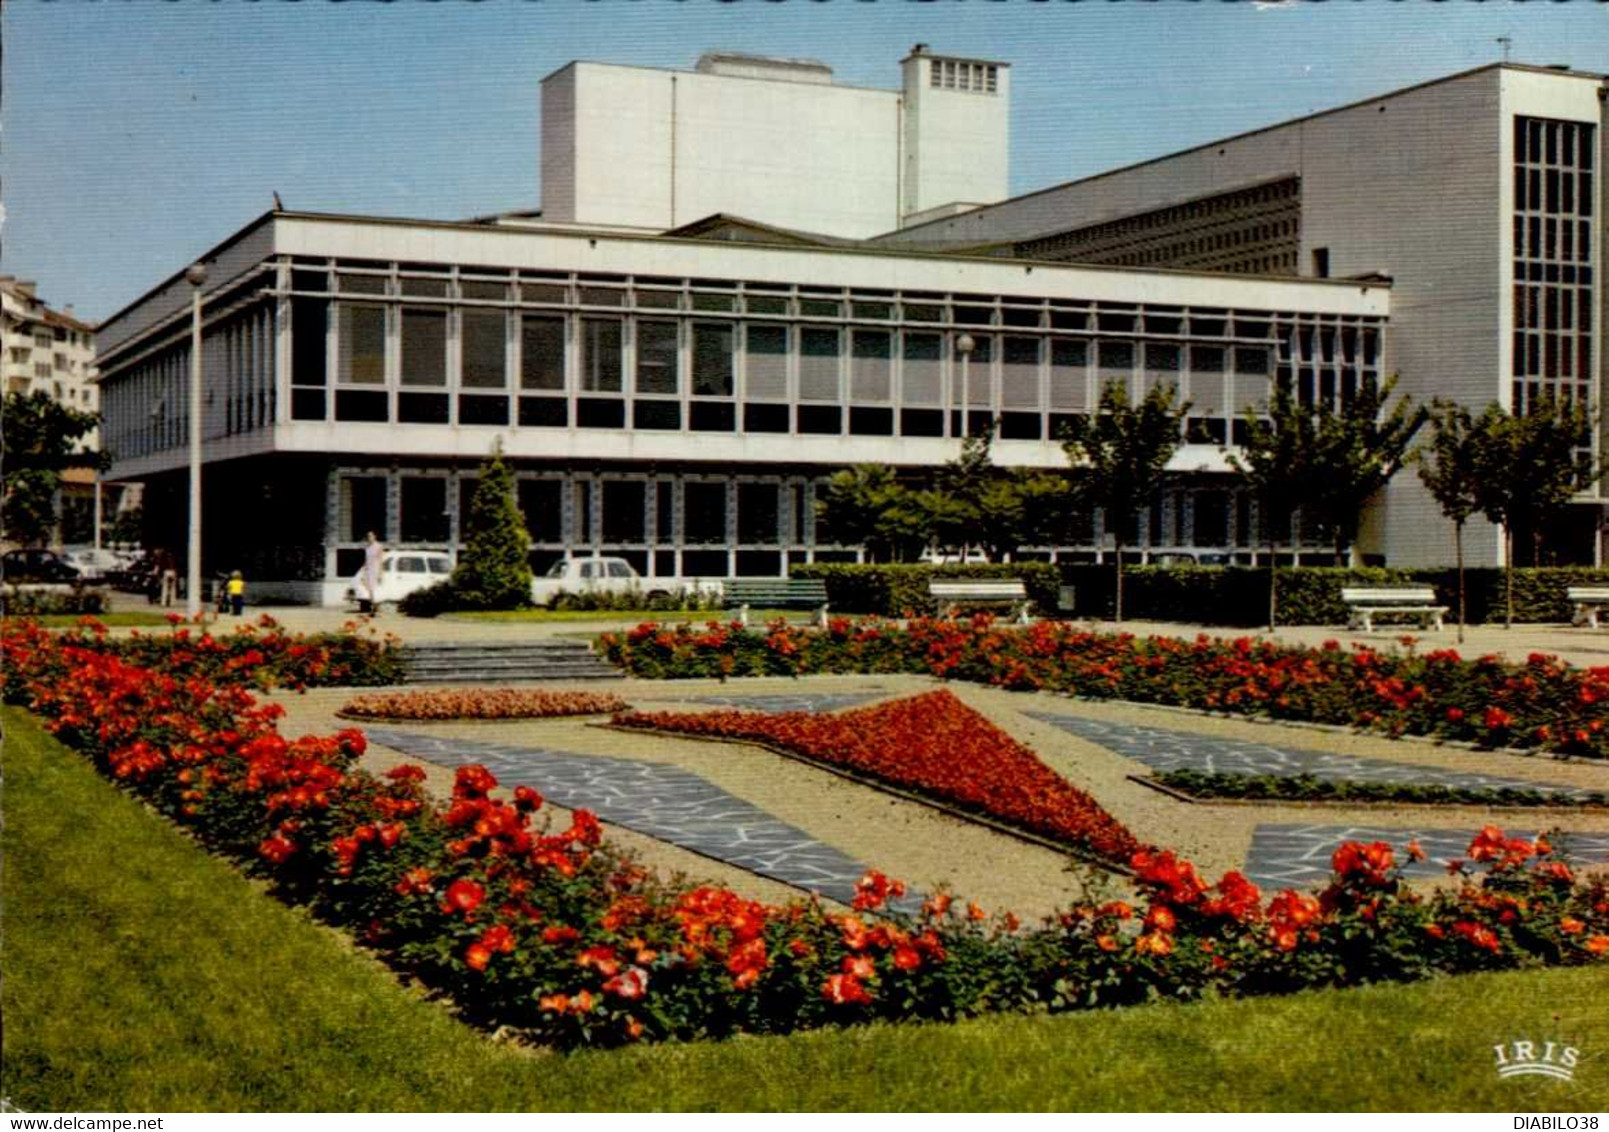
point(463, 895)
point(276, 849)
point(860, 966)
point(630, 984)
point(874, 889)
point(527, 799)
point(907, 958)
point(478, 955)
point(560, 934)
point(844, 990)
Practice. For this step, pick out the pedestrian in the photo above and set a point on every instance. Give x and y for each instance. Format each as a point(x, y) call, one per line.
point(237, 593)
point(170, 578)
point(373, 553)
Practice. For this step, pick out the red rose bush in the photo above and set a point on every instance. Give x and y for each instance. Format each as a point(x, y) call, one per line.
point(935, 745)
point(1543, 703)
point(480, 703)
point(553, 931)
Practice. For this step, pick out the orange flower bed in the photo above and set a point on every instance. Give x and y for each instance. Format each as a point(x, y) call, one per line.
point(933, 744)
point(495, 703)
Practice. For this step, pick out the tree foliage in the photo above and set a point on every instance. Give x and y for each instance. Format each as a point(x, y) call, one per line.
point(867, 505)
point(1120, 455)
point(1275, 462)
point(39, 439)
point(1450, 467)
point(1529, 466)
point(494, 570)
point(1356, 451)
point(975, 502)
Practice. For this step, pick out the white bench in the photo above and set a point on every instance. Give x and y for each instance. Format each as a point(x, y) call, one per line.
point(1364, 604)
point(952, 594)
point(1589, 601)
point(776, 593)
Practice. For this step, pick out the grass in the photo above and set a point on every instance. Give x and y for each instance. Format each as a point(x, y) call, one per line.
point(137, 618)
point(696, 616)
point(144, 975)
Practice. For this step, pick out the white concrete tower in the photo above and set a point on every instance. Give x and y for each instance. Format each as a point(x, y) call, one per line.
point(956, 133)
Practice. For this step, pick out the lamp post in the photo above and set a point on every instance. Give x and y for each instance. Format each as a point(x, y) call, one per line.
point(964, 346)
point(195, 275)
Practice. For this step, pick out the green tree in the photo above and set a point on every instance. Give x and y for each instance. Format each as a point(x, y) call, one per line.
point(867, 505)
point(1121, 455)
point(1356, 452)
point(974, 502)
point(1450, 468)
point(1275, 463)
point(1530, 466)
point(38, 441)
point(494, 569)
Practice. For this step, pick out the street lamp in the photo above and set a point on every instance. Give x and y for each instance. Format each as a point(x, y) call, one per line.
point(964, 346)
point(195, 275)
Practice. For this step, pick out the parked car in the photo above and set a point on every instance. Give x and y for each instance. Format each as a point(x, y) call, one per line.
point(401, 573)
point(93, 563)
point(585, 575)
point(36, 565)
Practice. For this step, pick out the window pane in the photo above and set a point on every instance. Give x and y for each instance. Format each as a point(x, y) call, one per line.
point(424, 509)
point(871, 365)
point(309, 317)
point(362, 333)
point(818, 364)
point(766, 377)
point(541, 353)
point(712, 359)
point(623, 511)
point(540, 504)
point(1019, 374)
point(922, 381)
point(601, 357)
point(656, 357)
point(485, 353)
point(424, 346)
point(363, 500)
point(757, 513)
point(704, 512)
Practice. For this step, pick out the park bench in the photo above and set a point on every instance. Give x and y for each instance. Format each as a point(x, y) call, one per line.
point(1365, 603)
point(775, 593)
point(1588, 601)
point(951, 594)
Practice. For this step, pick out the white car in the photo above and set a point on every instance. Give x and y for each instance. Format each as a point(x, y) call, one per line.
point(585, 575)
point(93, 564)
point(401, 573)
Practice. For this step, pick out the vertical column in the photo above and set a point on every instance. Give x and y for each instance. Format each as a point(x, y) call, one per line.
point(731, 525)
point(332, 520)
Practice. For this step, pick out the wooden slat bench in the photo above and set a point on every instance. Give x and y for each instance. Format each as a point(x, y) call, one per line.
point(1589, 601)
point(1365, 603)
point(951, 594)
point(776, 593)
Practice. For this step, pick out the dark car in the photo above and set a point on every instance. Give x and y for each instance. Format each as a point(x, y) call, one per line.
point(33, 566)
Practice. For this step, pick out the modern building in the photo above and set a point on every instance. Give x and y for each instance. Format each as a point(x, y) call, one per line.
point(43, 350)
point(652, 149)
point(674, 366)
point(1479, 196)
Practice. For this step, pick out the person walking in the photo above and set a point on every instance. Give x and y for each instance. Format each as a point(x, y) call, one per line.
point(237, 593)
point(169, 578)
point(373, 553)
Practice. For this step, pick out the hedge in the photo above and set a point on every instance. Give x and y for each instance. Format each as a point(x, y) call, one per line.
point(896, 589)
point(1311, 595)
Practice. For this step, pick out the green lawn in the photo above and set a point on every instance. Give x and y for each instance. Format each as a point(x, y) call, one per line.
point(137, 618)
point(142, 974)
point(627, 616)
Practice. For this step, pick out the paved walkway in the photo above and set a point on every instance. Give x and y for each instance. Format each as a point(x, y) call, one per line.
point(1164, 749)
point(661, 801)
point(776, 704)
point(1298, 856)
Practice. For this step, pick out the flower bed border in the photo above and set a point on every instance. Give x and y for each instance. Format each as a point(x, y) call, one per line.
point(998, 825)
point(1515, 808)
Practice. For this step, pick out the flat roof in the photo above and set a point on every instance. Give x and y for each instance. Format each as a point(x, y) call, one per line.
point(1555, 71)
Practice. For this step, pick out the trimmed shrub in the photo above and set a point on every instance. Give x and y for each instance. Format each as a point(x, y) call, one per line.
point(1311, 595)
point(897, 589)
point(432, 601)
point(31, 601)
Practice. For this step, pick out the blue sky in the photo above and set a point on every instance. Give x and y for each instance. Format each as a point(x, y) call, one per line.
point(137, 135)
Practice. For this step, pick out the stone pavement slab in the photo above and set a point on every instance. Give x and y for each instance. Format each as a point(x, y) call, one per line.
point(1164, 749)
point(1298, 856)
point(656, 799)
